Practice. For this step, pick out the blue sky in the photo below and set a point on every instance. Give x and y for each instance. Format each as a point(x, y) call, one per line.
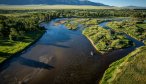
point(123, 2)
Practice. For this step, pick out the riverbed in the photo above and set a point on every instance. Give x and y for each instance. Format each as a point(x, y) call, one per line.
point(61, 56)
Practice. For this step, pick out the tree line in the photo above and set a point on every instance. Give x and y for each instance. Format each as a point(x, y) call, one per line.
point(84, 12)
point(15, 27)
point(18, 22)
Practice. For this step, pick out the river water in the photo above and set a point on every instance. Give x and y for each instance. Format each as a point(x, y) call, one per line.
point(61, 56)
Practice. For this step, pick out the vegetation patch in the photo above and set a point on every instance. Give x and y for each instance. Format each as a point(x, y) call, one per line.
point(74, 23)
point(128, 70)
point(9, 47)
point(17, 33)
point(71, 24)
point(133, 28)
point(106, 40)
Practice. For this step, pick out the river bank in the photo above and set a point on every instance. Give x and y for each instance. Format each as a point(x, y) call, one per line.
point(23, 46)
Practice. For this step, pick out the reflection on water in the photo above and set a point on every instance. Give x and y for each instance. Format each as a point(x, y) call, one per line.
point(61, 56)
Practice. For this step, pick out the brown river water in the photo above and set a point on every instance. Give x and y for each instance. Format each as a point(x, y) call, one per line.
point(61, 56)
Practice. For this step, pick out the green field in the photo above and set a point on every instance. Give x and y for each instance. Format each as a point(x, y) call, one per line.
point(25, 7)
point(129, 70)
point(136, 30)
point(105, 40)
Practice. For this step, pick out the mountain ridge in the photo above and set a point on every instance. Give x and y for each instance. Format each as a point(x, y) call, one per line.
point(51, 2)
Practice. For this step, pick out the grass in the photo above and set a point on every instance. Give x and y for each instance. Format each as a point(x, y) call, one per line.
point(9, 48)
point(71, 24)
point(142, 25)
point(32, 7)
point(128, 70)
point(137, 31)
point(106, 40)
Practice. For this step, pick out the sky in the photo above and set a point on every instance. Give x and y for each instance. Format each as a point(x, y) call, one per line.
point(122, 2)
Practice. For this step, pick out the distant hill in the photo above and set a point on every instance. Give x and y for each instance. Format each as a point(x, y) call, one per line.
point(134, 7)
point(50, 2)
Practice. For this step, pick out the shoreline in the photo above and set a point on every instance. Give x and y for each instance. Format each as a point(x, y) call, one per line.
point(20, 51)
point(93, 45)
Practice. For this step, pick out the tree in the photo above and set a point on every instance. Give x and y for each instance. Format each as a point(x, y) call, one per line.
point(13, 34)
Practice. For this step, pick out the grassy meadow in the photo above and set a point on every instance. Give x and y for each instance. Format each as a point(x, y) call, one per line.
point(128, 70)
point(32, 7)
point(105, 40)
point(137, 30)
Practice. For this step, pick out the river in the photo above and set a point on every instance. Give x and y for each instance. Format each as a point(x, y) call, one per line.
point(61, 56)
